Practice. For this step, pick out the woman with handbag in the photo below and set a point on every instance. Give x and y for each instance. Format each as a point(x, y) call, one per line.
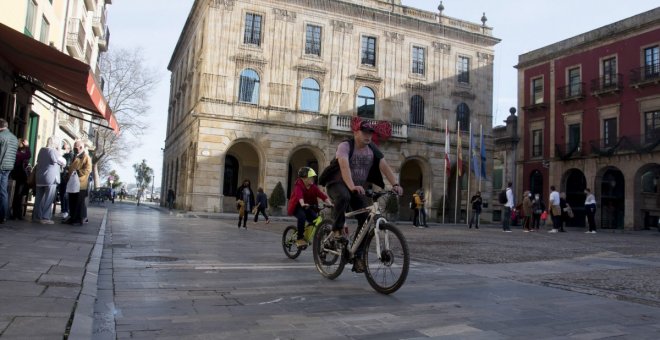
point(80, 168)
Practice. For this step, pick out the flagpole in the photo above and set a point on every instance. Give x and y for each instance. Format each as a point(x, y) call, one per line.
point(444, 182)
point(467, 202)
point(458, 171)
point(481, 137)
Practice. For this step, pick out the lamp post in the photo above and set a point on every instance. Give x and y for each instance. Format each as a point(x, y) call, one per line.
point(153, 181)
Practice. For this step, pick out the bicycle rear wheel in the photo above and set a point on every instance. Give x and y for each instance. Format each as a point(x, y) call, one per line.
point(387, 273)
point(289, 238)
point(328, 253)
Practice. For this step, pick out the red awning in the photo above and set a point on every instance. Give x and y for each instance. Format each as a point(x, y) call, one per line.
point(58, 74)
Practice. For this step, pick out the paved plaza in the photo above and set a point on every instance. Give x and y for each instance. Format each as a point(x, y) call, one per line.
point(155, 274)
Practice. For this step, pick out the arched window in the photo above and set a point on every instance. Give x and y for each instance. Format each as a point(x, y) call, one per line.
point(366, 102)
point(463, 116)
point(248, 89)
point(230, 181)
point(416, 110)
point(310, 95)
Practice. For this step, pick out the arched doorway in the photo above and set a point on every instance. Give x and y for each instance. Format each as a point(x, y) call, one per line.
point(303, 156)
point(574, 185)
point(242, 161)
point(412, 179)
point(536, 183)
point(647, 196)
point(612, 187)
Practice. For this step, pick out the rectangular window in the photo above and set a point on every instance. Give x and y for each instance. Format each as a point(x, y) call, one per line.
point(574, 82)
point(609, 72)
point(45, 31)
point(463, 70)
point(652, 125)
point(537, 91)
point(537, 143)
point(418, 59)
point(609, 132)
point(652, 62)
point(252, 34)
point(368, 51)
point(30, 17)
point(573, 137)
point(498, 180)
point(313, 40)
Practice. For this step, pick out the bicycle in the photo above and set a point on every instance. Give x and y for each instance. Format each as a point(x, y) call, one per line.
point(384, 247)
point(290, 234)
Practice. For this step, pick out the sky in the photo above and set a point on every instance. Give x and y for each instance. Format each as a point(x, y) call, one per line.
point(522, 25)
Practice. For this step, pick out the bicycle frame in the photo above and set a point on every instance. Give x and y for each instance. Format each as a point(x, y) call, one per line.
point(368, 225)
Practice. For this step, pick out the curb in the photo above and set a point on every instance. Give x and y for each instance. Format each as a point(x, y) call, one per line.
point(83, 314)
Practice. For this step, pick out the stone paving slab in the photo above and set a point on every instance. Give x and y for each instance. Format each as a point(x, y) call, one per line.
point(227, 283)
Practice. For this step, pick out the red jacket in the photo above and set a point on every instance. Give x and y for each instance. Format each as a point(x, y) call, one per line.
point(309, 196)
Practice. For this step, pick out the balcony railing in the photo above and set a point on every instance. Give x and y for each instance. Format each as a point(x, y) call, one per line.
point(343, 124)
point(607, 84)
point(645, 75)
point(104, 41)
point(570, 92)
point(568, 151)
point(98, 24)
point(605, 147)
point(75, 41)
point(642, 143)
point(535, 107)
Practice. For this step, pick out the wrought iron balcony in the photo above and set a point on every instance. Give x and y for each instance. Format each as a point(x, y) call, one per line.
point(608, 84)
point(645, 75)
point(570, 150)
point(75, 42)
point(642, 143)
point(570, 92)
point(535, 107)
point(342, 124)
point(605, 147)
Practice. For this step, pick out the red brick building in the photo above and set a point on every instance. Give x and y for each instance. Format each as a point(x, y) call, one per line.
point(590, 118)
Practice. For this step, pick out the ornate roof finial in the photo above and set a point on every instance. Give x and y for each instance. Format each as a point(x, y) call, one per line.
point(484, 19)
point(441, 8)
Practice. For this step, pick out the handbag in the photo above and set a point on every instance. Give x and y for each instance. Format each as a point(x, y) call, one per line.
point(544, 215)
point(32, 178)
point(73, 185)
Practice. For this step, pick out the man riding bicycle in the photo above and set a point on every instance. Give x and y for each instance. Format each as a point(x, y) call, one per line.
point(360, 162)
point(305, 193)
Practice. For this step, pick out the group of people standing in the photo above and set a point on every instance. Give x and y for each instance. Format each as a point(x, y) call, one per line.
point(58, 172)
point(534, 212)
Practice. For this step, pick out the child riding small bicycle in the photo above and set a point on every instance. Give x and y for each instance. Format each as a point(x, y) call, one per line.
point(305, 194)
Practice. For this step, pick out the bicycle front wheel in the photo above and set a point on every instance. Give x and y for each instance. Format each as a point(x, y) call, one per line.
point(387, 267)
point(289, 238)
point(328, 253)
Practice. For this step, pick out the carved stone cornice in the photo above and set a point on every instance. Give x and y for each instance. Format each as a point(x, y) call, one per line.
point(464, 95)
point(418, 86)
point(312, 69)
point(366, 77)
point(249, 59)
point(485, 56)
point(285, 15)
point(441, 47)
point(341, 26)
point(394, 37)
point(226, 4)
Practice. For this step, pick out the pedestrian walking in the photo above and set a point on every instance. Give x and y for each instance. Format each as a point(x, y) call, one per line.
point(590, 208)
point(537, 210)
point(245, 200)
point(171, 197)
point(262, 205)
point(554, 210)
point(477, 203)
point(8, 148)
point(527, 211)
point(508, 207)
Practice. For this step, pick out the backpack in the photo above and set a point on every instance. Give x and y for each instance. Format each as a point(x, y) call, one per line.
point(502, 197)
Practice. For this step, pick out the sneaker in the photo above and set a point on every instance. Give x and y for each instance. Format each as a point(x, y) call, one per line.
point(46, 222)
point(421, 227)
point(64, 215)
point(593, 232)
point(301, 243)
point(553, 231)
point(358, 265)
point(587, 232)
point(525, 231)
point(267, 221)
point(507, 231)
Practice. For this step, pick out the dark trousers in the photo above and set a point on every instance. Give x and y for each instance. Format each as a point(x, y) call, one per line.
point(344, 198)
point(591, 213)
point(536, 221)
point(243, 219)
point(64, 198)
point(303, 215)
point(557, 222)
point(475, 218)
point(77, 206)
point(4, 195)
point(416, 217)
point(20, 191)
point(261, 210)
point(506, 219)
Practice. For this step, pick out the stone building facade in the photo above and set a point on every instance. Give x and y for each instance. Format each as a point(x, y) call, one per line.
point(261, 88)
point(591, 119)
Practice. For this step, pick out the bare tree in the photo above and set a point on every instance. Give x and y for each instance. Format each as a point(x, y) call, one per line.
point(128, 84)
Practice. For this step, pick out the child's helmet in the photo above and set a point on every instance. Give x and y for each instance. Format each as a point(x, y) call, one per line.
point(306, 171)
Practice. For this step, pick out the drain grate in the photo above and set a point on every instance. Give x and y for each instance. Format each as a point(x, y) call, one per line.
point(154, 258)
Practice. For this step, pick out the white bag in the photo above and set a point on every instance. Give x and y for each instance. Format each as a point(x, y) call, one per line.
point(73, 185)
